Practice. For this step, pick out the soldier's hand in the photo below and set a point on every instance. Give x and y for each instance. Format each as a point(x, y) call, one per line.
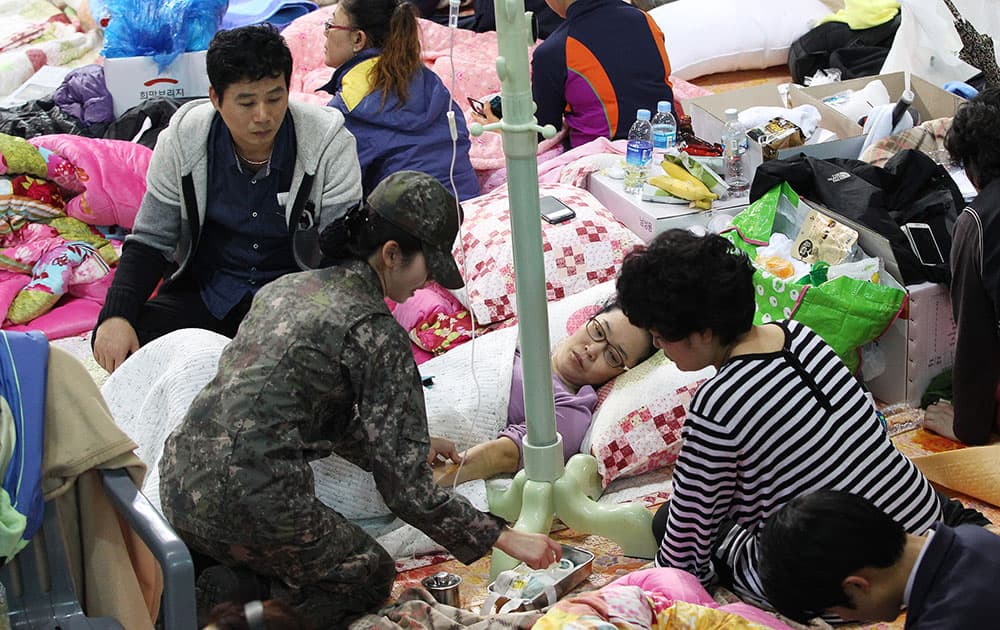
point(114, 340)
point(442, 450)
point(538, 551)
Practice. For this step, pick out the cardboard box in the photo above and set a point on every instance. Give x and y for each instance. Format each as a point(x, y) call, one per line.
point(708, 114)
point(929, 100)
point(132, 80)
point(918, 348)
point(649, 218)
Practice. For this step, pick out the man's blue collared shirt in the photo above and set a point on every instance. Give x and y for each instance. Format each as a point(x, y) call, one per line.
point(244, 242)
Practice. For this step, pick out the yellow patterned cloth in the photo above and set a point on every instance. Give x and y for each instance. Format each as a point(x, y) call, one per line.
point(629, 607)
point(17, 156)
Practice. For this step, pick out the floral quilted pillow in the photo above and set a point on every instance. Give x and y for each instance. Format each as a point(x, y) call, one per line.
point(637, 424)
point(579, 253)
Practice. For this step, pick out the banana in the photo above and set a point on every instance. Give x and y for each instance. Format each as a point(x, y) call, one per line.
point(679, 172)
point(685, 189)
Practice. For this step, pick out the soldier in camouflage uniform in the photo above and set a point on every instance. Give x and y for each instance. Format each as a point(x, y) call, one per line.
point(320, 366)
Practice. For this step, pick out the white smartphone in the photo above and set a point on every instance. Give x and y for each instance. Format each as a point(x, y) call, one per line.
point(923, 243)
point(555, 211)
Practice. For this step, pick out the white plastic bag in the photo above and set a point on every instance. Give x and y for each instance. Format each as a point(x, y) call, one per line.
point(927, 43)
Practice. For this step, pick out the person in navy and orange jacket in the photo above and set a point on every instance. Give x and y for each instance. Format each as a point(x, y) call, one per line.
point(604, 62)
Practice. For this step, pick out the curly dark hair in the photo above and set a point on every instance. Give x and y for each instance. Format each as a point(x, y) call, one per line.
point(974, 137)
point(811, 544)
point(247, 53)
point(683, 283)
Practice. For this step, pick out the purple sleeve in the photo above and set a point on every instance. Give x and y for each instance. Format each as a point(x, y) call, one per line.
point(574, 412)
point(573, 415)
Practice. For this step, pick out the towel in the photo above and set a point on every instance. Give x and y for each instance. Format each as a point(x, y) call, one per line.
point(278, 12)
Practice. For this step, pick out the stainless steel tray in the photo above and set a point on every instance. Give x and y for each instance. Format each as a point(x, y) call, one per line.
point(583, 562)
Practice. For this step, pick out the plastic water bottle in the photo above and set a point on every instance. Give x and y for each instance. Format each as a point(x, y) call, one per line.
point(734, 139)
point(639, 153)
point(664, 129)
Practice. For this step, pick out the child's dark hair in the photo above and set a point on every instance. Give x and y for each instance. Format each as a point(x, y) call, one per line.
point(974, 137)
point(809, 546)
point(360, 232)
point(390, 25)
point(683, 283)
point(247, 53)
point(277, 616)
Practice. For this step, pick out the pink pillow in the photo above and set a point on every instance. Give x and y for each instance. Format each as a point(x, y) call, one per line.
point(578, 253)
point(71, 316)
point(113, 172)
point(426, 302)
point(681, 586)
point(672, 583)
point(435, 321)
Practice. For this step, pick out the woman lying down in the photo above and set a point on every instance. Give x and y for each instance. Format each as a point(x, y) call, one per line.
point(605, 347)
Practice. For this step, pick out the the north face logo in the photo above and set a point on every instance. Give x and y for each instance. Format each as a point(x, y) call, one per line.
point(838, 177)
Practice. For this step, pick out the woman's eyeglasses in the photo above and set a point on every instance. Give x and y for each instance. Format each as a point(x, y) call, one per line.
point(614, 355)
point(330, 26)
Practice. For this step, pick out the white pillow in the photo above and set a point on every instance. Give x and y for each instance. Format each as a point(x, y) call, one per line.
point(708, 36)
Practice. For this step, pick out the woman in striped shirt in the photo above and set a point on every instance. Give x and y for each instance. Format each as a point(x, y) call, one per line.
point(782, 417)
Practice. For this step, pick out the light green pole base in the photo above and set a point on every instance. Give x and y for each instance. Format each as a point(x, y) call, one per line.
point(572, 499)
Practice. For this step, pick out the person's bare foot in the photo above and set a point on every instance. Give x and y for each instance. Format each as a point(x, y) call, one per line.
point(482, 461)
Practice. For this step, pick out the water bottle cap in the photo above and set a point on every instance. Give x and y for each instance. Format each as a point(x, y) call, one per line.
point(663, 107)
point(732, 112)
point(642, 114)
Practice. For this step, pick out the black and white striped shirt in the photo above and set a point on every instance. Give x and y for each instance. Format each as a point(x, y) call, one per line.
point(770, 427)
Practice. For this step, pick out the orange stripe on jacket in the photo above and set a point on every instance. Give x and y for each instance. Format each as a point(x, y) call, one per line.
point(661, 46)
point(580, 60)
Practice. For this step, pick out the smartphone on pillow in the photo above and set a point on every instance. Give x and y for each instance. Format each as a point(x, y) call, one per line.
point(555, 211)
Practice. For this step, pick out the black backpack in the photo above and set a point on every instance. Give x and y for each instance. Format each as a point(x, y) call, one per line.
point(910, 188)
point(858, 53)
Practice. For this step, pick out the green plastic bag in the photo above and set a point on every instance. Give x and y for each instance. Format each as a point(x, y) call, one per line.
point(845, 312)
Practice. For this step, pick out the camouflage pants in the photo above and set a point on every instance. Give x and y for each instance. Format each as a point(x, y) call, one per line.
point(334, 578)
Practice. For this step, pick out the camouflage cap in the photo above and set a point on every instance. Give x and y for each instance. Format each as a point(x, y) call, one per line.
point(420, 205)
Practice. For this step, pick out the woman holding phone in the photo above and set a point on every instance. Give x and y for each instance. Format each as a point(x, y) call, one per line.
point(395, 106)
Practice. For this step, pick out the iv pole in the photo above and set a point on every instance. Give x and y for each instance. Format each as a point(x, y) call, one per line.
point(545, 487)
